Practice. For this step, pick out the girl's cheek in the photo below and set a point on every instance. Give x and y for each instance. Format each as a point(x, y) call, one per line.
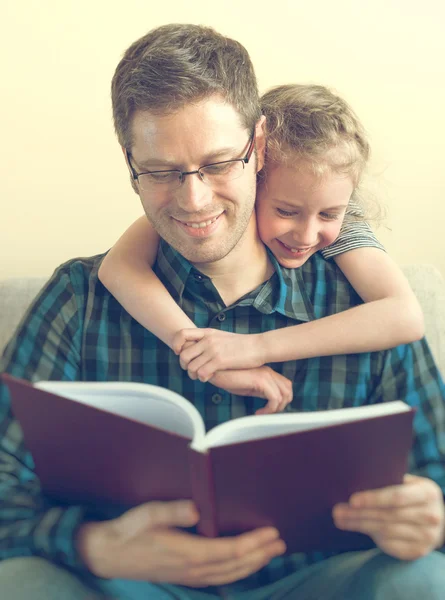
point(273, 228)
point(332, 234)
point(267, 223)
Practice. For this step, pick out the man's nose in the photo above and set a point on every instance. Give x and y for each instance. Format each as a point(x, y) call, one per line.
point(194, 194)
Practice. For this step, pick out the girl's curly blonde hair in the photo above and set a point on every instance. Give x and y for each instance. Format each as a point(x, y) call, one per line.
point(310, 122)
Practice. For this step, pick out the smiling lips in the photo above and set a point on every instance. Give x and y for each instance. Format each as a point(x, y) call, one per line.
point(296, 251)
point(199, 228)
point(201, 224)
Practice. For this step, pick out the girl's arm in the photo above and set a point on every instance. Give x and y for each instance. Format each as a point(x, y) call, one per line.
point(126, 272)
point(390, 316)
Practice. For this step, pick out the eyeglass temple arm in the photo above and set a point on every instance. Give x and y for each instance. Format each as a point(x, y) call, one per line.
point(130, 166)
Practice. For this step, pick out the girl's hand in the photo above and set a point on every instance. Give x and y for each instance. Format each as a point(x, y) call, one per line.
point(405, 521)
point(215, 350)
point(262, 382)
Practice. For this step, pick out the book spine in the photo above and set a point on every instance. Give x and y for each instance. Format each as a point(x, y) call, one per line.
point(203, 492)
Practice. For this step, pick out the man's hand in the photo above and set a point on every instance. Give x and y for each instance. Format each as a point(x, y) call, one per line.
point(215, 350)
point(406, 521)
point(144, 544)
point(262, 382)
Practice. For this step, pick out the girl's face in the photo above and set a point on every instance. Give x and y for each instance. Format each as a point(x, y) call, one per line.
point(299, 213)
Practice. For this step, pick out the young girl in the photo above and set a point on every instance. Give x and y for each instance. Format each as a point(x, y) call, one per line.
point(307, 201)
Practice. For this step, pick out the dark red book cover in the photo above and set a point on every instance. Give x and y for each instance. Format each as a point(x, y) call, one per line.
point(293, 481)
point(85, 454)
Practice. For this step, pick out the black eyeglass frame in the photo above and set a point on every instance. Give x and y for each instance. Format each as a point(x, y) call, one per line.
point(183, 174)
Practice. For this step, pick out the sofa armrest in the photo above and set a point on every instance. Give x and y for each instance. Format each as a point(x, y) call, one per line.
point(16, 294)
point(429, 286)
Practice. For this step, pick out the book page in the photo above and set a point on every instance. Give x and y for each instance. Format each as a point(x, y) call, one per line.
point(265, 426)
point(141, 402)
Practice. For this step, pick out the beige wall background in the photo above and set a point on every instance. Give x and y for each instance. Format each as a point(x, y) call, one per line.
point(64, 189)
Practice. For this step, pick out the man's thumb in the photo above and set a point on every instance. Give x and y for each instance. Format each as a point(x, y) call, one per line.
point(178, 513)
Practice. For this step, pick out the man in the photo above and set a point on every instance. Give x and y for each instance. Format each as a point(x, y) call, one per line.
point(185, 97)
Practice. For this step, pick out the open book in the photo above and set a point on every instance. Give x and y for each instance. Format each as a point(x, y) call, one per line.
point(124, 444)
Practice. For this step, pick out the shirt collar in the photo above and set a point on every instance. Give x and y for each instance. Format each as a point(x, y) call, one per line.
point(284, 292)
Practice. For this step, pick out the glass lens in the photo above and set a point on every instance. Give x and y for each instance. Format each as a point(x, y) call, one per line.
point(169, 179)
point(223, 171)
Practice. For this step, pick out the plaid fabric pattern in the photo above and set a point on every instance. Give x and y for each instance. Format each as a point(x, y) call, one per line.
point(77, 331)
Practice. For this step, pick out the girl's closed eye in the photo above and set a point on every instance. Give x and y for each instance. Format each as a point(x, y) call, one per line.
point(285, 213)
point(330, 216)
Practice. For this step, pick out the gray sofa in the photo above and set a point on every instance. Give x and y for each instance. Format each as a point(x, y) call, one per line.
point(16, 294)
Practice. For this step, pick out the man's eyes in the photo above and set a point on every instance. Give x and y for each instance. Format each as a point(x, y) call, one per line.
point(218, 168)
point(161, 175)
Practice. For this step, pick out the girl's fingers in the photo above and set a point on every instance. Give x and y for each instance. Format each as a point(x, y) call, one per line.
point(185, 337)
point(273, 396)
point(190, 354)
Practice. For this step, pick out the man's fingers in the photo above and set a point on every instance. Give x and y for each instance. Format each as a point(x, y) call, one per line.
point(221, 573)
point(415, 491)
point(271, 392)
point(392, 531)
point(287, 392)
point(280, 394)
point(204, 552)
point(418, 515)
point(179, 513)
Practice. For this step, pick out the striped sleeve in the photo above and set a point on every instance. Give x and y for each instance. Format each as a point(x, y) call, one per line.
point(355, 233)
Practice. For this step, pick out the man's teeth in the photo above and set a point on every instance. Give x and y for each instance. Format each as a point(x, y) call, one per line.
point(201, 225)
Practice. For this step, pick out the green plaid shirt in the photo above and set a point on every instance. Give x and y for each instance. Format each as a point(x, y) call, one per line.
point(77, 331)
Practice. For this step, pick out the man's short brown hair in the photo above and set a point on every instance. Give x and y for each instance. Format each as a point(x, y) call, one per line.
point(177, 64)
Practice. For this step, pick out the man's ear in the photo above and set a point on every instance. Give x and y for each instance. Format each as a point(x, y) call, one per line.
point(124, 152)
point(260, 142)
point(132, 181)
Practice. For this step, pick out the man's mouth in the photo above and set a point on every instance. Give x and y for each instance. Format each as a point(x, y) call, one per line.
point(200, 224)
point(201, 228)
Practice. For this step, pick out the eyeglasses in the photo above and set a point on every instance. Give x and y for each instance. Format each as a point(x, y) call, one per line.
point(212, 175)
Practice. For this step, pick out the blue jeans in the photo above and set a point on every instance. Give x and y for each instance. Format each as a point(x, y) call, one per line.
point(369, 575)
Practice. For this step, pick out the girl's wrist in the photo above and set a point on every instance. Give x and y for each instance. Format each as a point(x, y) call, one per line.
point(262, 348)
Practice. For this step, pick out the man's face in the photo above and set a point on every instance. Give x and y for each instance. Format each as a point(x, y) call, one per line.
point(203, 223)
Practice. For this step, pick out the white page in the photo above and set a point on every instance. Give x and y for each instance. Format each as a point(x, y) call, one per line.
point(142, 402)
point(266, 426)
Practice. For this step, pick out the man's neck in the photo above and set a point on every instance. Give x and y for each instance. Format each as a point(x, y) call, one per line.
point(242, 270)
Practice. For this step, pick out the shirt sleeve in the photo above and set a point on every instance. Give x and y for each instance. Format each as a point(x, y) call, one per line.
point(354, 233)
point(409, 373)
point(45, 346)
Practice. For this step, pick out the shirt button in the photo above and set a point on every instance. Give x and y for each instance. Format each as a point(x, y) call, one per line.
point(221, 317)
point(198, 277)
point(216, 398)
